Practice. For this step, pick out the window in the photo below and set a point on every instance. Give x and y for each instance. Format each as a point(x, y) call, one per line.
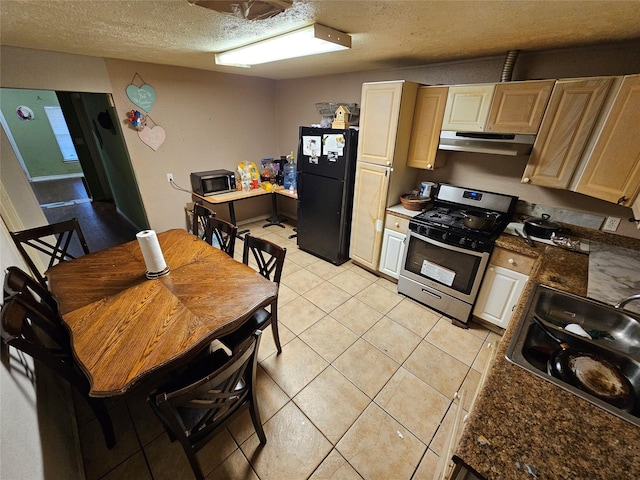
point(61, 131)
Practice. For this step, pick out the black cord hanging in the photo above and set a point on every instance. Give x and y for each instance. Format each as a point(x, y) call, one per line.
point(134, 78)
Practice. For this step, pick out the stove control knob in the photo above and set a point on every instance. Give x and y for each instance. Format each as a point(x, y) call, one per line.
point(474, 244)
point(445, 235)
point(462, 241)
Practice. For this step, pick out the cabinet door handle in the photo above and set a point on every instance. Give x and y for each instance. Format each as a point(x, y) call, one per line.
point(621, 200)
point(511, 261)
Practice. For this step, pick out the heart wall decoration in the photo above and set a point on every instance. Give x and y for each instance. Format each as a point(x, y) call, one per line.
point(142, 97)
point(153, 137)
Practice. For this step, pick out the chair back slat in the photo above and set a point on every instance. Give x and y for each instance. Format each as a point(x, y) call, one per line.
point(32, 331)
point(269, 259)
point(17, 280)
point(224, 234)
point(57, 250)
point(30, 323)
point(218, 388)
point(268, 256)
point(201, 226)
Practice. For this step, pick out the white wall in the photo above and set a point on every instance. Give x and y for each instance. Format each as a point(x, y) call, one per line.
point(211, 120)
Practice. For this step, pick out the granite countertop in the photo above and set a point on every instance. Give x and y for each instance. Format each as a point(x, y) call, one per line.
point(527, 419)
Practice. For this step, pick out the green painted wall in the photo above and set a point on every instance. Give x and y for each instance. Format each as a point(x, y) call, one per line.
point(34, 138)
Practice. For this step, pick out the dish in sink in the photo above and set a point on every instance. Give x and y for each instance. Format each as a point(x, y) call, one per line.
point(615, 341)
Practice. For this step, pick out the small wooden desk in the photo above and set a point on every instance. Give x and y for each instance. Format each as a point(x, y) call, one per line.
point(125, 328)
point(231, 197)
point(286, 193)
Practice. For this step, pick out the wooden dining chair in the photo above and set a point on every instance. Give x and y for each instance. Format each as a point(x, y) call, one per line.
point(17, 280)
point(33, 329)
point(269, 259)
point(195, 407)
point(200, 226)
point(223, 235)
point(59, 241)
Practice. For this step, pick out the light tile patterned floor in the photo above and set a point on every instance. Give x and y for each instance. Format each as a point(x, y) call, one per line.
point(362, 389)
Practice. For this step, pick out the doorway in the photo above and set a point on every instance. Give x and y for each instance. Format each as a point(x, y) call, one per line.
point(99, 187)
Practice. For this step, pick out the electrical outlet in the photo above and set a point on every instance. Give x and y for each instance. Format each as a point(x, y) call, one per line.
point(611, 224)
point(170, 179)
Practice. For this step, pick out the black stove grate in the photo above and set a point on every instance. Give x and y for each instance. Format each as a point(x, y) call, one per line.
point(451, 218)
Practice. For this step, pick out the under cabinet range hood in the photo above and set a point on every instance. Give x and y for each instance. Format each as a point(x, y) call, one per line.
point(491, 143)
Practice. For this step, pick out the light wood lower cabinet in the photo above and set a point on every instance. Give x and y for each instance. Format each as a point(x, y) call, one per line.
point(370, 203)
point(395, 233)
point(502, 286)
point(499, 295)
point(447, 469)
point(445, 465)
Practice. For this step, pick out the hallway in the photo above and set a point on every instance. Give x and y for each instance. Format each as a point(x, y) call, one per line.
point(101, 223)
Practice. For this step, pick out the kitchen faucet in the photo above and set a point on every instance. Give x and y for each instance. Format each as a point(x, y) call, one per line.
point(626, 300)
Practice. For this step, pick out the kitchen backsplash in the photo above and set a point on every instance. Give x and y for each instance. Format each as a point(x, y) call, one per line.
point(613, 274)
point(571, 217)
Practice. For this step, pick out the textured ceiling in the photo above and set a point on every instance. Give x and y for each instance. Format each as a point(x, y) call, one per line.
point(385, 34)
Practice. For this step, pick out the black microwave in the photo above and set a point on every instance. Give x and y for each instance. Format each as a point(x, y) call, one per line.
point(213, 181)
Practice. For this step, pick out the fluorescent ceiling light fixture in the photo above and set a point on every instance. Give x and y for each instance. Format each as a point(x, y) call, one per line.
point(310, 40)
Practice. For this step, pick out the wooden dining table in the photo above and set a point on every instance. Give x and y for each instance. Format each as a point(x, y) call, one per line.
point(126, 328)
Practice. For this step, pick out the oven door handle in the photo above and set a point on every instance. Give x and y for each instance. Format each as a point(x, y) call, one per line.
point(447, 246)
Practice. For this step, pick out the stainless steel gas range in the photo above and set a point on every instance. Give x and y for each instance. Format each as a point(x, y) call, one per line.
point(444, 258)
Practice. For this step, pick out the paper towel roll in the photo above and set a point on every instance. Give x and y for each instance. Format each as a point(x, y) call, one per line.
point(151, 252)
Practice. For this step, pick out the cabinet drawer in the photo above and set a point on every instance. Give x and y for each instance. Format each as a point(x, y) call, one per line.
point(512, 260)
point(395, 223)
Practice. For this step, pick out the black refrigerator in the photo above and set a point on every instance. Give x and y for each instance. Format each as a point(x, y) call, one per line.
point(326, 166)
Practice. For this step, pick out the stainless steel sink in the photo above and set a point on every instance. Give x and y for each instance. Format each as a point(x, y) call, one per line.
point(615, 336)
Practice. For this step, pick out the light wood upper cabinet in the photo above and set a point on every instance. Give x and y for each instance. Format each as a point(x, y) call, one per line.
point(509, 107)
point(612, 170)
point(425, 131)
point(572, 112)
point(518, 107)
point(386, 110)
point(467, 107)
